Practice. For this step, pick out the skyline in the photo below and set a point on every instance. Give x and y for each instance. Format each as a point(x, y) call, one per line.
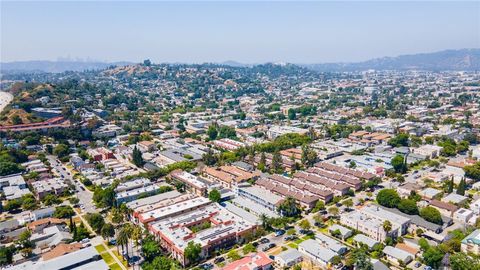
point(246, 32)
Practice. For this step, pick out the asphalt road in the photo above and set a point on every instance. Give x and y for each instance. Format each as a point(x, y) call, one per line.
point(83, 194)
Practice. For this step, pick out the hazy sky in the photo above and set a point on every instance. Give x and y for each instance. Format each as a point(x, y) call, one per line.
point(249, 32)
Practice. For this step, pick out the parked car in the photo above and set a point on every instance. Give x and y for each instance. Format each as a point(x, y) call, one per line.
point(218, 260)
point(279, 232)
point(290, 238)
point(264, 240)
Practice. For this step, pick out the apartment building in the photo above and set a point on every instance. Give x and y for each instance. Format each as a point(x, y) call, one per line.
point(192, 182)
point(211, 226)
point(370, 219)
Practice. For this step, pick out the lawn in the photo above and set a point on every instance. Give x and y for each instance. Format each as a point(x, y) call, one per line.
point(120, 258)
point(299, 240)
point(292, 245)
point(100, 248)
point(115, 266)
point(107, 258)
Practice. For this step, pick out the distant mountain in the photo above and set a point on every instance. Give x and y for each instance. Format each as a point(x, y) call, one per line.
point(55, 66)
point(465, 59)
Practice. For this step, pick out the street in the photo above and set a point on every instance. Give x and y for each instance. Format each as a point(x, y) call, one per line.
point(83, 194)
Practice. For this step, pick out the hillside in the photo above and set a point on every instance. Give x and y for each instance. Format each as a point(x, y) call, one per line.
point(466, 59)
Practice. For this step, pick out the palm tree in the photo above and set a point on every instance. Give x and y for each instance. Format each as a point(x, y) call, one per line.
point(123, 237)
point(264, 220)
point(136, 235)
point(387, 226)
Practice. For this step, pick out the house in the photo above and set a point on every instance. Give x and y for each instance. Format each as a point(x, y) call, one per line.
point(316, 252)
point(429, 193)
point(257, 261)
point(365, 240)
point(427, 150)
point(475, 207)
point(146, 146)
point(406, 189)
point(396, 255)
point(60, 250)
point(331, 243)
point(344, 233)
point(463, 215)
point(446, 209)
point(42, 213)
point(288, 258)
point(471, 243)
point(455, 198)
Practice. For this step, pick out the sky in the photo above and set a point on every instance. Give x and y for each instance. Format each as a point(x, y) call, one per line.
point(247, 32)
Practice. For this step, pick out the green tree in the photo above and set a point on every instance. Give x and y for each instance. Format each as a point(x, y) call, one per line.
point(387, 226)
point(160, 263)
point(433, 257)
point(262, 165)
point(29, 202)
point(388, 198)
point(212, 132)
point(319, 206)
point(398, 164)
point(137, 158)
point(461, 187)
point(233, 255)
point(305, 224)
point(61, 150)
point(192, 252)
point(431, 214)
point(249, 248)
point(277, 163)
point(6, 255)
point(399, 140)
point(51, 199)
point(471, 171)
point(309, 156)
point(292, 115)
point(150, 248)
point(461, 261)
point(289, 207)
point(63, 211)
point(214, 195)
point(107, 231)
point(96, 221)
point(333, 211)
point(408, 206)
point(209, 158)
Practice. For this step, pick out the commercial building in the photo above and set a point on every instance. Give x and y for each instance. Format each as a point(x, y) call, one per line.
point(261, 196)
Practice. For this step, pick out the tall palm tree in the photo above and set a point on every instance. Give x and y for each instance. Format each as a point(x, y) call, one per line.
point(136, 236)
point(124, 236)
point(387, 226)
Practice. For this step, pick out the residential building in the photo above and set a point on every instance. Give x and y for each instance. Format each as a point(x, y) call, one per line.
point(316, 252)
point(395, 255)
point(256, 261)
point(288, 258)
